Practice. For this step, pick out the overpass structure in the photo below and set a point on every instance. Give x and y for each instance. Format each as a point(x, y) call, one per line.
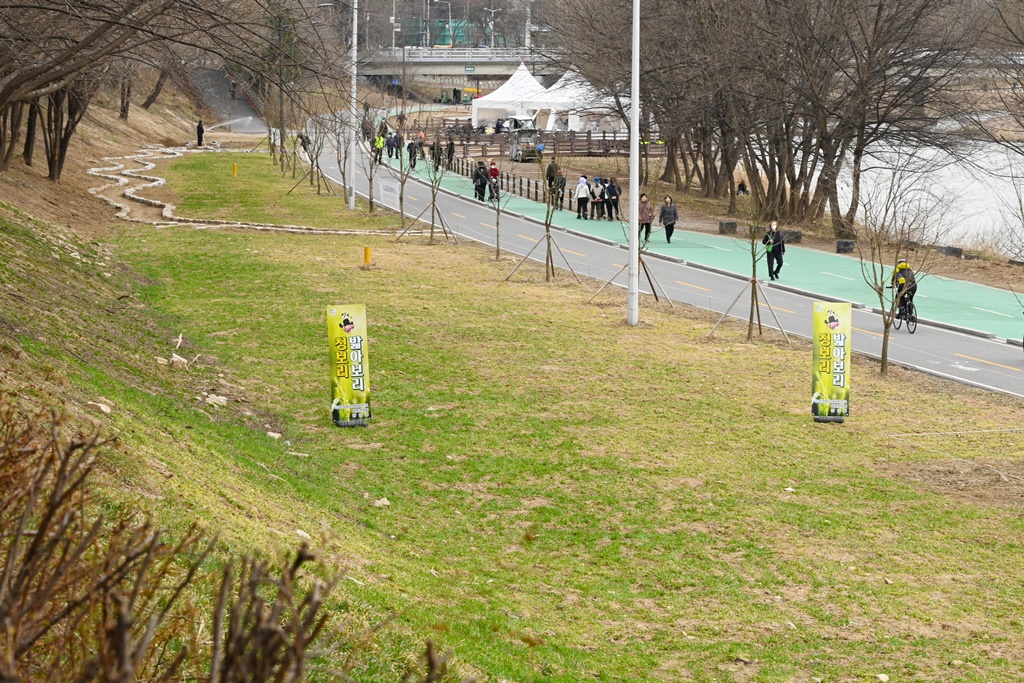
point(482, 68)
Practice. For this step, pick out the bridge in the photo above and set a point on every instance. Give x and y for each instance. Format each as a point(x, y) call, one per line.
point(456, 67)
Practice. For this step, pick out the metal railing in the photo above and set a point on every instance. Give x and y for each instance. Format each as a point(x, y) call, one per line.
point(455, 54)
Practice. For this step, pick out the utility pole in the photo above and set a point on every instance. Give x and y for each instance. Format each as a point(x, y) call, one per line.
point(280, 82)
point(633, 281)
point(353, 114)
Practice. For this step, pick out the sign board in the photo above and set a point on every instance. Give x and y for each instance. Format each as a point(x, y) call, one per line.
point(350, 365)
point(830, 369)
point(470, 69)
point(389, 193)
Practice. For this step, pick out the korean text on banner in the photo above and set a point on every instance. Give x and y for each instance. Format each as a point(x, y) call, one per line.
point(350, 365)
point(830, 376)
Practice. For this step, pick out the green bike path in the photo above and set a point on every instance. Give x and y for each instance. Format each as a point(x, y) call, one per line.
point(973, 308)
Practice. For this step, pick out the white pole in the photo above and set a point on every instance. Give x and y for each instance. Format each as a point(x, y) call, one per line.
point(633, 286)
point(353, 114)
point(394, 7)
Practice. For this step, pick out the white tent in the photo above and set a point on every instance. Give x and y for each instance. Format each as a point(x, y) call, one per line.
point(520, 95)
point(574, 104)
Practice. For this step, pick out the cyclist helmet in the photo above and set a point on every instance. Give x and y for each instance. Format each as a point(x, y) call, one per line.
point(901, 264)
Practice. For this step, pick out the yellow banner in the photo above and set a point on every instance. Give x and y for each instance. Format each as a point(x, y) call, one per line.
point(350, 365)
point(830, 376)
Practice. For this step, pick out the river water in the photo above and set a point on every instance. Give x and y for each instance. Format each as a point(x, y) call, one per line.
point(973, 193)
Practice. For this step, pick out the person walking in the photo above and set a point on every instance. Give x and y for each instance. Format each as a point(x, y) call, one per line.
point(199, 133)
point(559, 189)
point(450, 151)
point(775, 247)
point(413, 153)
point(435, 154)
point(480, 179)
point(493, 178)
point(668, 216)
point(645, 214)
point(611, 193)
point(378, 149)
point(597, 199)
point(551, 173)
point(582, 196)
point(389, 142)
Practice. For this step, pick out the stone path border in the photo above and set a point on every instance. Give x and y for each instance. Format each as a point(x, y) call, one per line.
point(120, 176)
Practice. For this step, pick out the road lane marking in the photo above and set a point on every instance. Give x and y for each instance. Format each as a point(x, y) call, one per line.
point(834, 275)
point(784, 310)
point(719, 248)
point(570, 251)
point(528, 238)
point(458, 214)
point(988, 362)
point(619, 265)
point(687, 284)
point(993, 312)
point(488, 225)
point(868, 332)
point(410, 199)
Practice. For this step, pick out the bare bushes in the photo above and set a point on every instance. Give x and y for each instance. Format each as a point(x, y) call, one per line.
point(84, 598)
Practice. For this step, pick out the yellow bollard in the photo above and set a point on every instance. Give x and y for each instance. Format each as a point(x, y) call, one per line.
point(234, 170)
point(366, 256)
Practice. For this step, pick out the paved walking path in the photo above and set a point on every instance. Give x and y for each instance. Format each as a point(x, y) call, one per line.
point(979, 309)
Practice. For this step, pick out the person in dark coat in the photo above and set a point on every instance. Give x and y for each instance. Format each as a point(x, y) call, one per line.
point(199, 133)
point(668, 216)
point(774, 247)
point(551, 173)
point(413, 150)
point(480, 178)
point(450, 152)
point(559, 189)
point(612, 192)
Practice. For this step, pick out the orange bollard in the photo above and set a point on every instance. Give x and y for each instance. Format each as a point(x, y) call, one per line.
point(366, 256)
point(234, 170)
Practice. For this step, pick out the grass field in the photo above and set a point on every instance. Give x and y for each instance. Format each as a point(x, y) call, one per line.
point(570, 498)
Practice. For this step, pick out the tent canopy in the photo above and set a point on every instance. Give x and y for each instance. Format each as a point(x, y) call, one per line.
point(574, 103)
point(520, 95)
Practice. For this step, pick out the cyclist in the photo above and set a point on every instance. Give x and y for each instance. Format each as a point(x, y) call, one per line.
point(905, 284)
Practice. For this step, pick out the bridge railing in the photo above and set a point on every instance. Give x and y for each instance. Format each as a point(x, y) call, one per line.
point(454, 54)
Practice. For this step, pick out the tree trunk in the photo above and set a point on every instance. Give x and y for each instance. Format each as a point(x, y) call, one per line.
point(161, 79)
point(31, 129)
point(10, 127)
point(126, 93)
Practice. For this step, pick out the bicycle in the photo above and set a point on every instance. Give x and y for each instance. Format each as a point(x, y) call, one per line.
point(909, 314)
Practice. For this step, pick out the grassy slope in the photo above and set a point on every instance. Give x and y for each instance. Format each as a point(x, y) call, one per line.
point(570, 498)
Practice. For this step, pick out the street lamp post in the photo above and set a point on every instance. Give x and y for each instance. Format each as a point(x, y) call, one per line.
point(353, 139)
point(633, 279)
point(493, 12)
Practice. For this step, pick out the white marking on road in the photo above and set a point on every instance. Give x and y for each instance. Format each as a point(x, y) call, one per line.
point(719, 248)
point(958, 366)
point(992, 312)
point(834, 275)
point(998, 365)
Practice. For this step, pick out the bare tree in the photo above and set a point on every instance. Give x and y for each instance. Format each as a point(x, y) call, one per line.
point(902, 218)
